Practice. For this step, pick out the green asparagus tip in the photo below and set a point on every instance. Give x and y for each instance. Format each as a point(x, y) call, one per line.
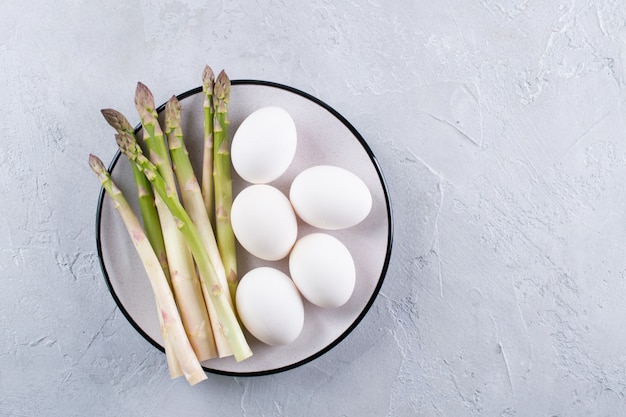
point(98, 167)
point(208, 80)
point(143, 95)
point(172, 115)
point(222, 86)
point(144, 101)
point(127, 144)
point(117, 120)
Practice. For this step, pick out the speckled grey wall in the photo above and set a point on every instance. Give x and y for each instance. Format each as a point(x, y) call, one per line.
point(498, 124)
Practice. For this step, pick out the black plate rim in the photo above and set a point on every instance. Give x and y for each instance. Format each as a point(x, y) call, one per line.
point(383, 273)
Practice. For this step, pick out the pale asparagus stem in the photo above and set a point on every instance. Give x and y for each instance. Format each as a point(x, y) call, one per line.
point(223, 181)
point(219, 295)
point(187, 290)
point(208, 80)
point(185, 281)
point(194, 204)
point(171, 325)
point(172, 363)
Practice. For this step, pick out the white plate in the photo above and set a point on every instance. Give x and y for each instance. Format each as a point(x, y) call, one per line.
point(324, 137)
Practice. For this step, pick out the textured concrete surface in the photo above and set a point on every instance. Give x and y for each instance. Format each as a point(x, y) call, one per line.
point(498, 124)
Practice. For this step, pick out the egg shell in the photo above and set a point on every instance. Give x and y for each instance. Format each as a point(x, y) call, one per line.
point(330, 197)
point(264, 145)
point(323, 270)
point(270, 306)
point(264, 222)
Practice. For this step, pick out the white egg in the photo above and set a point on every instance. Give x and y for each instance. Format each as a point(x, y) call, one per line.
point(323, 270)
point(270, 306)
point(264, 222)
point(330, 197)
point(264, 145)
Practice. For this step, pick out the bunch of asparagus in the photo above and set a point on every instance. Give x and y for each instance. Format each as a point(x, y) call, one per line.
point(175, 238)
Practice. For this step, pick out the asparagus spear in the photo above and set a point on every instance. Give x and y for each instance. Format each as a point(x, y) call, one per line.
point(218, 293)
point(223, 181)
point(194, 204)
point(208, 81)
point(185, 281)
point(171, 324)
point(151, 223)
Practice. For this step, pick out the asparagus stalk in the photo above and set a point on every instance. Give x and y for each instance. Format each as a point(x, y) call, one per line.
point(151, 223)
point(218, 293)
point(185, 282)
point(171, 325)
point(223, 181)
point(194, 203)
point(208, 81)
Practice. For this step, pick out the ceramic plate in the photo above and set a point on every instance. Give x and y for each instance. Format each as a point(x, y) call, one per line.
point(324, 137)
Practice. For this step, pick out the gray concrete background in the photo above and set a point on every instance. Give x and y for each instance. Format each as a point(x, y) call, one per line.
point(498, 124)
